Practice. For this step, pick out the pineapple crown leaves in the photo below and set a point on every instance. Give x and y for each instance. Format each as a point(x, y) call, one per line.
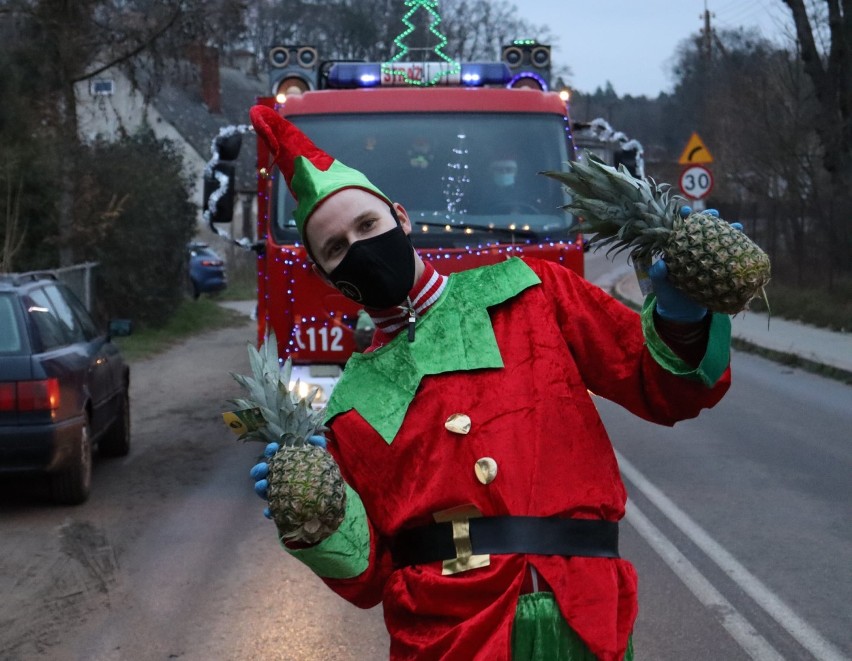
point(617, 207)
point(290, 419)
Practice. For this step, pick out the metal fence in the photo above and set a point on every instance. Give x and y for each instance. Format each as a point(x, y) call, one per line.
point(79, 279)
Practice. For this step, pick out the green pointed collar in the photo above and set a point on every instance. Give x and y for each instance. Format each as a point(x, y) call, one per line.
point(454, 335)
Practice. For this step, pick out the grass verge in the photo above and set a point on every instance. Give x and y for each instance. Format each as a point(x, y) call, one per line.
point(191, 318)
point(818, 307)
point(238, 290)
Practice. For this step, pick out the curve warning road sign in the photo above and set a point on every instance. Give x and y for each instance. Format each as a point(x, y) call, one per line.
point(695, 152)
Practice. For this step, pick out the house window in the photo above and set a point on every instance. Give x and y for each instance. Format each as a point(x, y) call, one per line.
point(102, 87)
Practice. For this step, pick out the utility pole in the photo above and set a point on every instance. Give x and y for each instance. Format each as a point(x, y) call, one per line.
point(707, 36)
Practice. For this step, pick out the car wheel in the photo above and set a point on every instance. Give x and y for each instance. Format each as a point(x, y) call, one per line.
point(73, 484)
point(116, 441)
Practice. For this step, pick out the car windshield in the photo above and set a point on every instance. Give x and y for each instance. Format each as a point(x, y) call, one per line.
point(456, 174)
point(10, 335)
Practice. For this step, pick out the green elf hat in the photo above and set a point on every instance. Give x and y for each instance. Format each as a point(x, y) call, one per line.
point(310, 173)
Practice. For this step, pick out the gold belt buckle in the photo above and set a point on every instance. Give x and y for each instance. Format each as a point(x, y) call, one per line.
point(465, 560)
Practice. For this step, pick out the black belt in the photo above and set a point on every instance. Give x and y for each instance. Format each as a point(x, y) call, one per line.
point(509, 534)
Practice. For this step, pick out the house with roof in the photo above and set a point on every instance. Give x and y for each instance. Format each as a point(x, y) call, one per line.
point(189, 109)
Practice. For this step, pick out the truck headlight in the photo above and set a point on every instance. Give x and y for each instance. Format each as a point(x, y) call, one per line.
point(304, 388)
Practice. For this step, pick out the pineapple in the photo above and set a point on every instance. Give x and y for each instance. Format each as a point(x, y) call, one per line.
point(307, 495)
point(710, 261)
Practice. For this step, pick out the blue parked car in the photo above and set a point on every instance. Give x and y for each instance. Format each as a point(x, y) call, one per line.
point(206, 270)
point(64, 386)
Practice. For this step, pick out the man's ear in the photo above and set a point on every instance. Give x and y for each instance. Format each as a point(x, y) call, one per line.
point(402, 214)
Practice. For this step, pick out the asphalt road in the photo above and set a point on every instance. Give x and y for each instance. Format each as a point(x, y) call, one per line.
point(737, 523)
point(171, 557)
point(738, 520)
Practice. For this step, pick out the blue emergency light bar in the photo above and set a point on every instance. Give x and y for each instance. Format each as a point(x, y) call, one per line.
point(371, 74)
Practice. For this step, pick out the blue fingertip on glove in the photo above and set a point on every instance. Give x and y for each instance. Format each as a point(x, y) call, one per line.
point(261, 486)
point(673, 304)
point(259, 471)
point(686, 210)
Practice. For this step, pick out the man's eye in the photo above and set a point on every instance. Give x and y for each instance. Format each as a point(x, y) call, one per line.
point(367, 224)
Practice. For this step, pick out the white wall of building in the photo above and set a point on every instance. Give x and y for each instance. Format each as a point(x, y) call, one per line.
point(108, 116)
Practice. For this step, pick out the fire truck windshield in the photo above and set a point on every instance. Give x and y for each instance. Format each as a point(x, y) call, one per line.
point(457, 174)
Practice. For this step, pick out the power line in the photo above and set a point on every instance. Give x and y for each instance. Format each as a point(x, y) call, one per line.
point(735, 4)
point(766, 18)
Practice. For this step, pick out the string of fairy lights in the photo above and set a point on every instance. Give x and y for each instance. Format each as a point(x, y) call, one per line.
point(313, 333)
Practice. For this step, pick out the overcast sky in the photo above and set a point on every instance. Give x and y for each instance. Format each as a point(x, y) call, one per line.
point(631, 42)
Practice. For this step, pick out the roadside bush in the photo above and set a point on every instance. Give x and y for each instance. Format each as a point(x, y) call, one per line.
point(27, 210)
point(28, 189)
point(133, 216)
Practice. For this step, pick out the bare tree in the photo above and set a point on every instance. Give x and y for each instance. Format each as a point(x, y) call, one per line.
point(366, 29)
point(68, 42)
point(477, 29)
point(824, 35)
point(14, 231)
point(830, 71)
point(340, 29)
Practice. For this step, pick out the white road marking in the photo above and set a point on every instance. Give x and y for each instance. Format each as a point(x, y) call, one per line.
point(740, 629)
point(808, 637)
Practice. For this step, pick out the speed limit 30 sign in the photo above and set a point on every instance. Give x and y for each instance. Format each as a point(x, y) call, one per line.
point(696, 182)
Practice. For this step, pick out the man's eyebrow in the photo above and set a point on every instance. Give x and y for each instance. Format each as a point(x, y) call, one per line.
point(363, 216)
point(357, 219)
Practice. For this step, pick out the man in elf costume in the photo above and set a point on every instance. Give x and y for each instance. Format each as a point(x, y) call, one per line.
point(483, 492)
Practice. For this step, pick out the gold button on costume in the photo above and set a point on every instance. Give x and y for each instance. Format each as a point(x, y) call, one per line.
point(486, 470)
point(458, 423)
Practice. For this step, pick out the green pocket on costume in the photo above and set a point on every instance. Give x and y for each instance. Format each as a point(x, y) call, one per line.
point(540, 633)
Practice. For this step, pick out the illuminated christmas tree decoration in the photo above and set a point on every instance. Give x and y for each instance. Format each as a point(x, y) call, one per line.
point(450, 67)
point(455, 187)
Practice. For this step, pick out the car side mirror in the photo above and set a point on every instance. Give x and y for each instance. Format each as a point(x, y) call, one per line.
point(120, 327)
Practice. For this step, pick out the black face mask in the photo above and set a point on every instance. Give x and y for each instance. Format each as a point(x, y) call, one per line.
point(377, 272)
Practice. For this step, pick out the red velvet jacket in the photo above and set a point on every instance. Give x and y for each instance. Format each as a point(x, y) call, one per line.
point(560, 340)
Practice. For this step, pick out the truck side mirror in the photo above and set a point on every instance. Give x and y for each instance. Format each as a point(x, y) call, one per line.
point(220, 180)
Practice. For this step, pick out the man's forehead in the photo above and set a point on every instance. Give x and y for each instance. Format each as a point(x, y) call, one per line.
point(338, 212)
point(348, 205)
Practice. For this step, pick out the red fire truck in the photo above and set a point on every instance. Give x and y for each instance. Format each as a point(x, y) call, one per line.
point(463, 157)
